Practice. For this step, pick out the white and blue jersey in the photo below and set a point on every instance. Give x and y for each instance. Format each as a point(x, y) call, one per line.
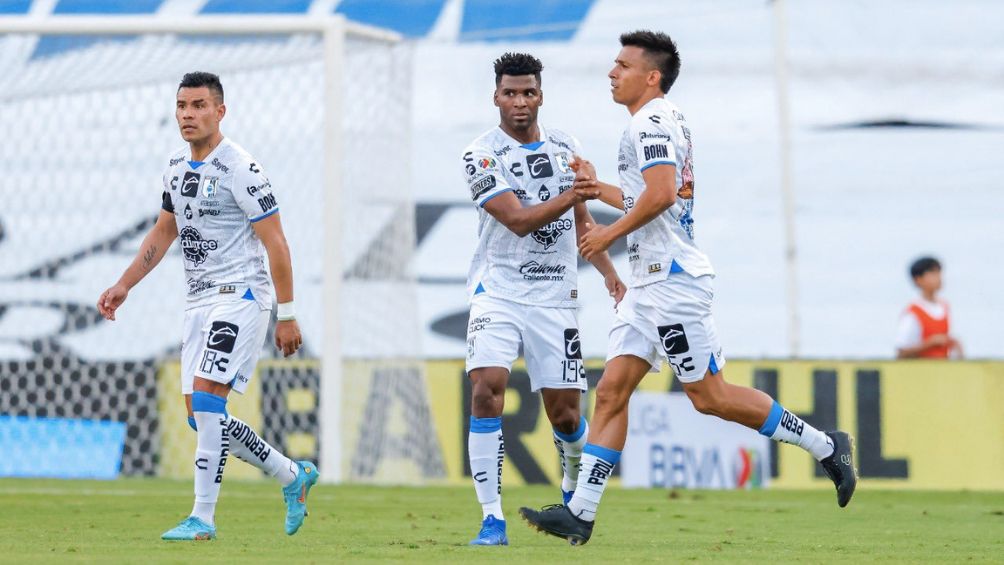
point(539, 269)
point(214, 203)
point(658, 135)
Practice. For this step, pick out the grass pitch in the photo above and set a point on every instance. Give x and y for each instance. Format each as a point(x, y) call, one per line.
point(121, 521)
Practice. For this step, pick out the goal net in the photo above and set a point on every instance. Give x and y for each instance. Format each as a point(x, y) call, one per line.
point(87, 122)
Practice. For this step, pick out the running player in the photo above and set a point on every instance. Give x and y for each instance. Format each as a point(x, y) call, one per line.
point(219, 201)
point(667, 309)
point(522, 281)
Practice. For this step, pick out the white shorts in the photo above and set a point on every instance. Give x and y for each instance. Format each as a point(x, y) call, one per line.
point(669, 319)
point(222, 342)
point(550, 339)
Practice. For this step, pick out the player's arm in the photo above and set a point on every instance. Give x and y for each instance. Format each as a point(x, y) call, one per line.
point(659, 195)
point(151, 251)
point(585, 178)
point(523, 220)
point(583, 221)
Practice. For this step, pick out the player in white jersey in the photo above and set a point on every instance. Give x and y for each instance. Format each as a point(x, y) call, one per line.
point(217, 200)
point(667, 309)
point(522, 281)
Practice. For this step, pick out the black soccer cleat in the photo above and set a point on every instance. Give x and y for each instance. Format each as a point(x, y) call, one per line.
point(840, 466)
point(558, 521)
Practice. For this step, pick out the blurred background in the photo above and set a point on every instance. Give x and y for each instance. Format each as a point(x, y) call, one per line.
point(835, 142)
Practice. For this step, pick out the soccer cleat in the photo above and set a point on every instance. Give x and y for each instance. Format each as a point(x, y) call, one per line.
point(557, 520)
point(295, 495)
point(190, 529)
point(566, 496)
point(839, 466)
point(492, 532)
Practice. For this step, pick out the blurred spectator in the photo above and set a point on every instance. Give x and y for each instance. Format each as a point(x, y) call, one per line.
point(923, 328)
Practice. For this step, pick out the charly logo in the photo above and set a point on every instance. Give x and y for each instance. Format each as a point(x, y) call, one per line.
point(194, 248)
point(548, 235)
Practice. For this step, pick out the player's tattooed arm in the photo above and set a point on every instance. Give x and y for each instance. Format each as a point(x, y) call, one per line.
point(151, 251)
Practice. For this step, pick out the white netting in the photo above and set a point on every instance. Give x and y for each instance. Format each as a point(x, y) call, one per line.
point(88, 125)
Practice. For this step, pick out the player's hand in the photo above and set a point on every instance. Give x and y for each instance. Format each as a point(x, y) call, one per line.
point(615, 286)
point(111, 299)
point(582, 167)
point(585, 189)
point(287, 337)
point(596, 240)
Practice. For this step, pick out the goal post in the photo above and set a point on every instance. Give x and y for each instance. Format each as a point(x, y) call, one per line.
point(343, 182)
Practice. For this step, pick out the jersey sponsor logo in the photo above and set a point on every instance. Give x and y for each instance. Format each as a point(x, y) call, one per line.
point(222, 336)
point(674, 339)
point(503, 152)
point(515, 169)
point(561, 159)
point(544, 194)
point(549, 234)
point(175, 161)
point(539, 165)
point(486, 163)
point(210, 186)
point(534, 271)
point(267, 202)
point(196, 286)
point(633, 254)
point(193, 247)
point(479, 188)
point(190, 184)
point(220, 166)
point(628, 203)
point(559, 143)
point(469, 168)
point(252, 190)
point(209, 212)
point(647, 135)
point(521, 194)
point(573, 347)
point(188, 212)
point(656, 152)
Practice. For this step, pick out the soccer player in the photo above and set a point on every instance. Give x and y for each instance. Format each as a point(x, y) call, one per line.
point(923, 328)
point(667, 308)
point(219, 201)
point(522, 281)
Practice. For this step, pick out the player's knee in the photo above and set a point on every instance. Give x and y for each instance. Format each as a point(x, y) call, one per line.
point(704, 401)
point(611, 399)
point(565, 420)
point(486, 403)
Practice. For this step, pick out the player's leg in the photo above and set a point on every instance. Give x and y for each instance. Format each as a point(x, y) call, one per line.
point(493, 339)
point(570, 431)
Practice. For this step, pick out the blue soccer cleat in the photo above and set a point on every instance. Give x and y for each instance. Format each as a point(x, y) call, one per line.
point(492, 532)
point(566, 496)
point(296, 495)
point(190, 529)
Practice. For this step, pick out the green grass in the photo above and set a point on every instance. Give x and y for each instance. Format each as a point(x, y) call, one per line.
point(121, 521)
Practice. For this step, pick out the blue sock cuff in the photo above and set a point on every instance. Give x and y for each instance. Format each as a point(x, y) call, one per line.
point(611, 456)
point(574, 436)
point(773, 419)
point(208, 402)
point(191, 422)
point(485, 425)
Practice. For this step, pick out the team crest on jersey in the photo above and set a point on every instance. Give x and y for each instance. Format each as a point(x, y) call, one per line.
point(561, 159)
point(210, 186)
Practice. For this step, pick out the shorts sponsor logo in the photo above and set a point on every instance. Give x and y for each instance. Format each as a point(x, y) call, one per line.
point(534, 271)
point(674, 339)
point(193, 247)
point(549, 234)
point(539, 165)
point(190, 184)
point(573, 348)
point(479, 188)
point(572, 369)
point(213, 361)
point(470, 347)
point(222, 337)
point(478, 324)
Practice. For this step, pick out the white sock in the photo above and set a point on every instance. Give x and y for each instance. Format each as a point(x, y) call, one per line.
point(597, 465)
point(250, 448)
point(487, 451)
point(569, 448)
point(210, 453)
point(781, 425)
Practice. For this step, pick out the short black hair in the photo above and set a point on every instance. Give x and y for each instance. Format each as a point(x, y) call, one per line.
point(660, 49)
point(201, 78)
point(924, 265)
point(517, 64)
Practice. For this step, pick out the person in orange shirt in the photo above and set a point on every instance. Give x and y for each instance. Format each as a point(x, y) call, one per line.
point(923, 328)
